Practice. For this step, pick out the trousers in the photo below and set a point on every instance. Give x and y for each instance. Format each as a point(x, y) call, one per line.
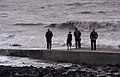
point(93, 44)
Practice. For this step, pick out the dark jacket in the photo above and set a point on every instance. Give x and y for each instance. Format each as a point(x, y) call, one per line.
point(49, 35)
point(93, 35)
point(69, 38)
point(77, 34)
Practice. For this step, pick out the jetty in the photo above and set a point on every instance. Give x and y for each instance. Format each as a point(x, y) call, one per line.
point(100, 56)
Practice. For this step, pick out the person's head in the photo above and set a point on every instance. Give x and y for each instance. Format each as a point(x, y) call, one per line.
point(48, 29)
point(93, 30)
point(75, 28)
point(69, 32)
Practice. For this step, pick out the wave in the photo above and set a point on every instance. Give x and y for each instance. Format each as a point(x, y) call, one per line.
point(87, 25)
point(76, 4)
point(62, 25)
point(28, 24)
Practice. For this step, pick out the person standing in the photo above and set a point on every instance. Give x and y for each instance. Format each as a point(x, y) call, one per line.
point(49, 36)
point(69, 40)
point(93, 37)
point(77, 35)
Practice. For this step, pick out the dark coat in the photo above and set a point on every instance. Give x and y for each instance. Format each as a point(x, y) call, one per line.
point(77, 34)
point(48, 35)
point(93, 35)
point(69, 38)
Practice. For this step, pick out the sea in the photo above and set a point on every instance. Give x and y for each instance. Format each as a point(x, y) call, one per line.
point(24, 22)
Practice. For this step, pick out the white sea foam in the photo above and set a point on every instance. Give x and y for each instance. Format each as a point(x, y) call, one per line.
point(19, 62)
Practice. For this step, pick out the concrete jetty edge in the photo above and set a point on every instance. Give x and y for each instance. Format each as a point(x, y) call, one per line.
point(77, 56)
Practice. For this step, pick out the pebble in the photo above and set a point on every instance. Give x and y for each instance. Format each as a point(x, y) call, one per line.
point(71, 71)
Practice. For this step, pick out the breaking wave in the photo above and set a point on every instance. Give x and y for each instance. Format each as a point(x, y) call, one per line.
point(28, 24)
point(88, 25)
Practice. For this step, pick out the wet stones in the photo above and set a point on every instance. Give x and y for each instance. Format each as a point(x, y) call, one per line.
point(71, 71)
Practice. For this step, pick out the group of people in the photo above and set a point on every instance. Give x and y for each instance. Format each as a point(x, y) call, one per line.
point(77, 35)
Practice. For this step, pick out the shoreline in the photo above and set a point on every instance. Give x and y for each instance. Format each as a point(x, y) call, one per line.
point(83, 70)
point(77, 56)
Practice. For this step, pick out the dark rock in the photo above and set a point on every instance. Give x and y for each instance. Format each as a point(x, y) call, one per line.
point(71, 71)
point(102, 12)
point(86, 12)
point(16, 45)
point(42, 7)
point(101, 76)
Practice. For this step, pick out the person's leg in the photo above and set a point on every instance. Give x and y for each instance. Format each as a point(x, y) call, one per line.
point(91, 44)
point(70, 45)
point(67, 44)
point(79, 44)
point(76, 43)
point(50, 44)
point(47, 45)
point(94, 44)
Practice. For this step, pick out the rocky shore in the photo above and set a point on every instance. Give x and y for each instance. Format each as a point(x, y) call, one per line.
point(74, 70)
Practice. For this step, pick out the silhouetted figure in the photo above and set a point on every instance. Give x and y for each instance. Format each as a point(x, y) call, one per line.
point(77, 35)
point(49, 36)
point(69, 41)
point(93, 37)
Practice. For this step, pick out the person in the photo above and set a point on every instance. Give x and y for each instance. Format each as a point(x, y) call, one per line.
point(49, 36)
point(69, 40)
point(93, 37)
point(77, 35)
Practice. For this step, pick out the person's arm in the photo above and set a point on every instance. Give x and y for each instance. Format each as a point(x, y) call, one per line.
point(90, 35)
point(51, 34)
point(80, 33)
point(96, 35)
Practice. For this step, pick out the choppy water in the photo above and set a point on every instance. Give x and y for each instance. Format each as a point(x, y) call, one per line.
point(19, 62)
